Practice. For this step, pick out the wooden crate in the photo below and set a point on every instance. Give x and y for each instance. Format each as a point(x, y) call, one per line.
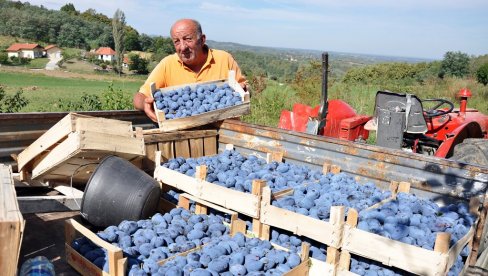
point(404, 256)
point(11, 223)
point(241, 202)
point(117, 263)
point(326, 232)
point(78, 142)
point(207, 117)
point(191, 143)
point(245, 203)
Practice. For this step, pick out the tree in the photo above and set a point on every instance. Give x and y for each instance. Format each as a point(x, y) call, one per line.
point(69, 8)
point(131, 42)
point(118, 30)
point(455, 64)
point(482, 74)
point(146, 42)
point(138, 64)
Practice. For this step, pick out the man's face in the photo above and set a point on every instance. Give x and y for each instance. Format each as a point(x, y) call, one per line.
point(188, 45)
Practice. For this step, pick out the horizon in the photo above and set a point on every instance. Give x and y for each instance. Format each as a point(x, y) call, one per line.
point(374, 27)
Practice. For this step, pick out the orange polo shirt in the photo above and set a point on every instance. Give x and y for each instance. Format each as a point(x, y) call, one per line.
point(171, 71)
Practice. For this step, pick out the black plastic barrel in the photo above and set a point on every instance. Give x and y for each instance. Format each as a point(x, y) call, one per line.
point(116, 191)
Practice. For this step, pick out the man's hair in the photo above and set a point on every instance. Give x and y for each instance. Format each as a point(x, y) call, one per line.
point(198, 27)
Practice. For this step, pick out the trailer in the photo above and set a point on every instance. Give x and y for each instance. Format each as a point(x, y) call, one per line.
point(441, 180)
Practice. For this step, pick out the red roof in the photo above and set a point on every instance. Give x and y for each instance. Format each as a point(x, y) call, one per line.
point(50, 47)
point(105, 51)
point(22, 46)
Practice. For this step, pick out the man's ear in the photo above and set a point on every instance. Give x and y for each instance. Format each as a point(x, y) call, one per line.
point(203, 38)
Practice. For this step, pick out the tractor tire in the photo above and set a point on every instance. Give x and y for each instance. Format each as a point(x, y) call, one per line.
point(473, 151)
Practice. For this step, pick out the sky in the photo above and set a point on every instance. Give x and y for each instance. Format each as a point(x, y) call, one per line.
point(404, 28)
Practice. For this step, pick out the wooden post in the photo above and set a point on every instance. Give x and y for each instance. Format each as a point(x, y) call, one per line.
point(442, 242)
point(184, 202)
point(236, 226)
point(201, 172)
point(274, 156)
point(257, 189)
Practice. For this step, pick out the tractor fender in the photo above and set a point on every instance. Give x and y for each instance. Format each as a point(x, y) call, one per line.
point(466, 130)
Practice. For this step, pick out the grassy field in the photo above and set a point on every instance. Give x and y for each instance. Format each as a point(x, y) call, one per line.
point(44, 92)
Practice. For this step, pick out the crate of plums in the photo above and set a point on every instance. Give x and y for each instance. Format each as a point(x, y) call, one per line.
point(186, 106)
point(316, 208)
point(141, 244)
point(409, 235)
point(229, 179)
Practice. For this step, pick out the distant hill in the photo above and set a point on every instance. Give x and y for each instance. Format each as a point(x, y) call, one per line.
point(303, 54)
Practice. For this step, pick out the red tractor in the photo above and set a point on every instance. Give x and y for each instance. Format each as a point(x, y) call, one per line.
point(401, 122)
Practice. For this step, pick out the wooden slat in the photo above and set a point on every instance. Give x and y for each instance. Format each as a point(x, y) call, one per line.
point(156, 136)
point(167, 151)
point(321, 231)
point(11, 223)
point(241, 202)
point(196, 147)
point(210, 145)
point(148, 161)
point(182, 149)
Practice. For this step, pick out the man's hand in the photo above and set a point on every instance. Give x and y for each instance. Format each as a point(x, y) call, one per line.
point(244, 85)
point(149, 109)
point(141, 102)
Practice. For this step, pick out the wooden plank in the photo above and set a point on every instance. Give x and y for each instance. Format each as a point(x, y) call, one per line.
point(69, 191)
point(210, 145)
point(404, 256)
point(442, 242)
point(196, 147)
point(257, 190)
point(321, 231)
point(182, 149)
point(148, 161)
point(177, 180)
point(167, 150)
point(156, 136)
point(11, 223)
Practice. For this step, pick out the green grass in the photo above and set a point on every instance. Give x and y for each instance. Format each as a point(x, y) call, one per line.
point(44, 92)
point(37, 63)
point(266, 107)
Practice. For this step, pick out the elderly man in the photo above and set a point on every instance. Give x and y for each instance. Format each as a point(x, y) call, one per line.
point(193, 62)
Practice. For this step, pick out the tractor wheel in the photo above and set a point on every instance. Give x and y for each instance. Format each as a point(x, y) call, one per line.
point(472, 150)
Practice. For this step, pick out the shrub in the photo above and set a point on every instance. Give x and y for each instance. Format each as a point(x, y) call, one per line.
point(482, 74)
point(11, 104)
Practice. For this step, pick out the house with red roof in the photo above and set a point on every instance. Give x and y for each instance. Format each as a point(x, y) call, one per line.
point(105, 54)
point(52, 51)
point(25, 50)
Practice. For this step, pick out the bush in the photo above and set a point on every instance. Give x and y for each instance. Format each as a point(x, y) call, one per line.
point(4, 59)
point(482, 74)
point(114, 99)
point(11, 104)
point(88, 102)
point(138, 64)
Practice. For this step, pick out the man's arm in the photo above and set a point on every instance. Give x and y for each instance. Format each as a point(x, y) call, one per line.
point(143, 103)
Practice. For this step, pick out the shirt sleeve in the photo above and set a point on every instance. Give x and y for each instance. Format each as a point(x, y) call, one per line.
point(156, 76)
